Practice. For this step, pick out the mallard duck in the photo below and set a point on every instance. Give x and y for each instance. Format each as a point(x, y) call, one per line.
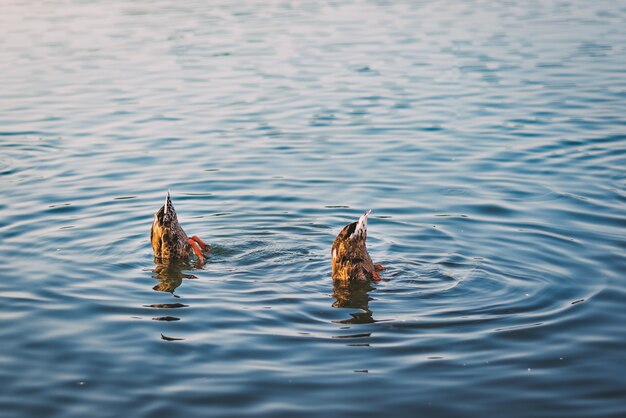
point(350, 259)
point(169, 241)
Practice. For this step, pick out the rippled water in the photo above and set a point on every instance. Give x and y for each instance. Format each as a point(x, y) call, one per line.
point(487, 137)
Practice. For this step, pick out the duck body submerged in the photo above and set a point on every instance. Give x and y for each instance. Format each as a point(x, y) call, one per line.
point(169, 240)
point(350, 259)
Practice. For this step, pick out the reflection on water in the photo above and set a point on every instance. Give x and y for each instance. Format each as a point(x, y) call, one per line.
point(353, 294)
point(170, 276)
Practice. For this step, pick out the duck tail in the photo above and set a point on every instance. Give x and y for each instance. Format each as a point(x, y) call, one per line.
point(168, 208)
point(168, 202)
point(361, 226)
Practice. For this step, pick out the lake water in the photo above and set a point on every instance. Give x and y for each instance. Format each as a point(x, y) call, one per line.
point(487, 137)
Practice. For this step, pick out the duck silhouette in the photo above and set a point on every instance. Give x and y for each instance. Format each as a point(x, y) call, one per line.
point(350, 259)
point(169, 240)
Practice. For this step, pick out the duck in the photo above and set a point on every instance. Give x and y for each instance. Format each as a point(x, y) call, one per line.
point(350, 259)
point(169, 240)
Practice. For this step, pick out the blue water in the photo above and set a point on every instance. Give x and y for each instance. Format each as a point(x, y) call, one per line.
point(487, 137)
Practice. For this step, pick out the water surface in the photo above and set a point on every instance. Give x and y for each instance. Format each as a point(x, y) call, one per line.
point(488, 138)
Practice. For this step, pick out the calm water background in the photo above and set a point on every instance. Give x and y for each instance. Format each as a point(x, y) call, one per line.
point(487, 137)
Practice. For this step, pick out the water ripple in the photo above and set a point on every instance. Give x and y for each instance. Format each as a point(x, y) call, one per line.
point(487, 139)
